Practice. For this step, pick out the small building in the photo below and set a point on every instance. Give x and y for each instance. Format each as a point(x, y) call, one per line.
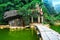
point(13, 18)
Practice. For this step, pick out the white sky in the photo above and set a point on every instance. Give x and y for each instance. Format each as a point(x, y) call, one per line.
point(56, 2)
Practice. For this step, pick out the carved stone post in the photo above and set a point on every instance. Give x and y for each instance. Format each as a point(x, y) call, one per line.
point(38, 18)
point(41, 19)
point(32, 19)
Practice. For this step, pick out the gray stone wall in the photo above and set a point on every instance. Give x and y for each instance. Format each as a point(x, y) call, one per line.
point(15, 22)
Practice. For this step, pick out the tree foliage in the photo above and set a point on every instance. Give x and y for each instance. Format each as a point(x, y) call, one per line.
point(6, 5)
point(50, 18)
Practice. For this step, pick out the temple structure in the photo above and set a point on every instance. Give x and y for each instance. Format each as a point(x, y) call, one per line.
point(14, 19)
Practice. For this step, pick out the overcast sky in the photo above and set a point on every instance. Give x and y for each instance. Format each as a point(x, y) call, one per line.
point(56, 2)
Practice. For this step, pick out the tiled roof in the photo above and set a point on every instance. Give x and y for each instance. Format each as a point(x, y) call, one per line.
point(10, 13)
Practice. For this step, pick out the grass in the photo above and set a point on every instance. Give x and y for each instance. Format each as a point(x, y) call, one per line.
point(56, 28)
point(5, 34)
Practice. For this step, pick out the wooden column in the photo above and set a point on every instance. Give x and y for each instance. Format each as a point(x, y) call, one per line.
point(41, 19)
point(38, 18)
point(32, 19)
